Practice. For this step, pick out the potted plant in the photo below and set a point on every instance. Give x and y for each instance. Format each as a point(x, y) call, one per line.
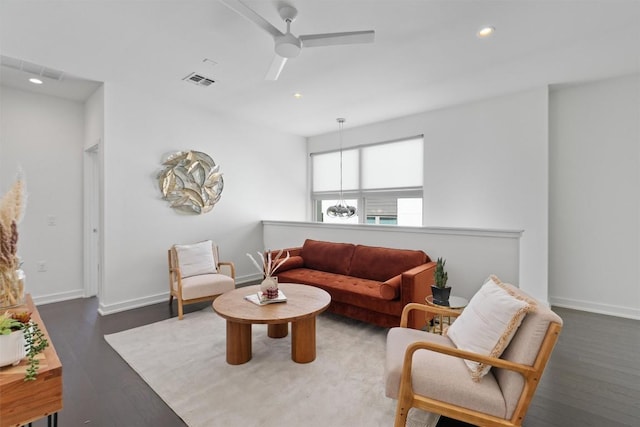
point(440, 290)
point(21, 337)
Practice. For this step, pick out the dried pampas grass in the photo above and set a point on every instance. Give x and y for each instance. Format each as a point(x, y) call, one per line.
point(12, 204)
point(11, 213)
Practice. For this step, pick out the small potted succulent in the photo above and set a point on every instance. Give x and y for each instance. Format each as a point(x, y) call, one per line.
point(21, 337)
point(440, 290)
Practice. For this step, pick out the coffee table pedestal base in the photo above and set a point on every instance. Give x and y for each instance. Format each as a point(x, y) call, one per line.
point(303, 305)
point(303, 340)
point(238, 343)
point(278, 330)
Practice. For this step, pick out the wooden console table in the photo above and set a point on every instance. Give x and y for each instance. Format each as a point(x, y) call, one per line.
point(22, 402)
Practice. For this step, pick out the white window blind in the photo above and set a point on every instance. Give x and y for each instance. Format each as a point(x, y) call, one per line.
point(384, 181)
point(392, 165)
point(326, 170)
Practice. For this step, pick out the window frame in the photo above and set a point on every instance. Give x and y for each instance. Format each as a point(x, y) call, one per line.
point(361, 195)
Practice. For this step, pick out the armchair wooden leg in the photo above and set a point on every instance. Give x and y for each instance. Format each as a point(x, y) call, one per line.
point(180, 311)
point(402, 410)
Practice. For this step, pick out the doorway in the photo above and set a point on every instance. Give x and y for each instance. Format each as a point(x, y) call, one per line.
point(92, 224)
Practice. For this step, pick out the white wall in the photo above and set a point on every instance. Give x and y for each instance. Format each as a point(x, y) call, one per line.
point(594, 196)
point(486, 166)
point(264, 178)
point(472, 254)
point(44, 136)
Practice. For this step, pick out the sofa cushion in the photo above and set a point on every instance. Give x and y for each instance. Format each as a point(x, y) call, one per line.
point(349, 290)
point(327, 256)
point(370, 262)
point(290, 264)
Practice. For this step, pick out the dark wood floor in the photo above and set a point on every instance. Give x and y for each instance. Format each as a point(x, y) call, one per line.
point(593, 378)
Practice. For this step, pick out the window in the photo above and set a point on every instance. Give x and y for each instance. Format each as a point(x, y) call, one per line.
point(383, 181)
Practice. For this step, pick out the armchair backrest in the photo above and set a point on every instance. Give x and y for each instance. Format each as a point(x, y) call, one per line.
point(195, 259)
point(531, 345)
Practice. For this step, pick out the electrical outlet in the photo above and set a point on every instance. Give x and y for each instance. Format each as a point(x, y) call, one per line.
point(42, 266)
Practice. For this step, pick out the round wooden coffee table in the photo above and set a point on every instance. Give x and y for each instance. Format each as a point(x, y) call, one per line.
point(303, 304)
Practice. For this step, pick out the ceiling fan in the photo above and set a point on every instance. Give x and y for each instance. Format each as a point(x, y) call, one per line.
point(286, 44)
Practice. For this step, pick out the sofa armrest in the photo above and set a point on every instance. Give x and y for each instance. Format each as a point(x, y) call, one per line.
point(415, 287)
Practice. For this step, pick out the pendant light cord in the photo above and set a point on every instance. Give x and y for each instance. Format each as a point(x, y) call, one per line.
point(341, 125)
point(341, 209)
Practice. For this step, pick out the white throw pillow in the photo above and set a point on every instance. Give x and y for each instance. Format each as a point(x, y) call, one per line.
point(196, 259)
point(488, 323)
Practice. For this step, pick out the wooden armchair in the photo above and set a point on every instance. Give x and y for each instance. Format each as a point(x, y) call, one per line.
point(196, 274)
point(427, 371)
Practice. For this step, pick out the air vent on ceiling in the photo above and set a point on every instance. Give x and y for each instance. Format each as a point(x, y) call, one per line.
point(31, 68)
point(199, 79)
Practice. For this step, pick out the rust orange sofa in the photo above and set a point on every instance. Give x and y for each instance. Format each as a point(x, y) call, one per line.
point(367, 283)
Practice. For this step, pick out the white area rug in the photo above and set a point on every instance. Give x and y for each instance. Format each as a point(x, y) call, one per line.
point(184, 362)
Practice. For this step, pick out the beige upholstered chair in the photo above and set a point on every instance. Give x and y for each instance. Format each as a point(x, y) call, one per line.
point(196, 274)
point(427, 371)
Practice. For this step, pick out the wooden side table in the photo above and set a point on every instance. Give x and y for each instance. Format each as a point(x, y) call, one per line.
point(22, 402)
point(456, 304)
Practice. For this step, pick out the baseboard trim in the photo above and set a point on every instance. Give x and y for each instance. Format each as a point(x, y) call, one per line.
point(607, 309)
point(58, 297)
point(106, 309)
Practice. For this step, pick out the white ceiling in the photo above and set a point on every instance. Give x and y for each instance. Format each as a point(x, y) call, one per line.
point(425, 56)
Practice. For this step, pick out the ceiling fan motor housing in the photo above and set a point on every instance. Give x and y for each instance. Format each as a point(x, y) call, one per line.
point(288, 45)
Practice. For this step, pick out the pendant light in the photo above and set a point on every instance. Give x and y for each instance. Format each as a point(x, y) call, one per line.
point(341, 209)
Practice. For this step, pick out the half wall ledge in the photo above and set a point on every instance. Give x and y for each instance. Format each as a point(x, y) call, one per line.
point(472, 253)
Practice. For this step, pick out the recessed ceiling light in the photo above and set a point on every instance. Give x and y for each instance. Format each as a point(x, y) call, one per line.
point(297, 95)
point(35, 81)
point(485, 32)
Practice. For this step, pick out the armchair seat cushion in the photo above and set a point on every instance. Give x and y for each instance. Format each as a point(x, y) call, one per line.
point(439, 376)
point(205, 285)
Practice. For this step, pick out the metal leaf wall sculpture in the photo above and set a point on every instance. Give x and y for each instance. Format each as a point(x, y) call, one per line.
point(191, 182)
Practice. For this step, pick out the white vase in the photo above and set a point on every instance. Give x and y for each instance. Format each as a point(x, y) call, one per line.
point(269, 287)
point(269, 282)
point(12, 348)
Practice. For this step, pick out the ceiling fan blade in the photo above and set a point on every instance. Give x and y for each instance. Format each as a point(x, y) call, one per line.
point(276, 68)
point(242, 9)
point(331, 39)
